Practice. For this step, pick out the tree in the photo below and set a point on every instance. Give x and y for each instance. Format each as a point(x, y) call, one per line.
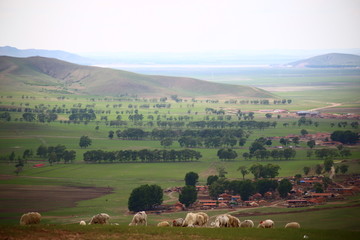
point(304, 132)
point(42, 151)
point(243, 171)
point(166, 142)
point(256, 146)
point(85, 141)
point(27, 153)
point(265, 185)
point(284, 188)
point(311, 143)
point(191, 178)
point(226, 154)
point(318, 188)
point(247, 188)
point(211, 179)
point(284, 141)
point(111, 134)
point(309, 153)
point(318, 169)
point(145, 197)
point(268, 115)
point(188, 195)
point(12, 156)
point(59, 151)
point(256, 169)
point(218, 187)
point(289, 153)
point(19, 166)
point(328, 163)
point(306, 170)
point(52, 158)
point(345, 152)
point(69, 156)
point(221, 171)
point(29, 117)
point(344, 168)
point(345, 137)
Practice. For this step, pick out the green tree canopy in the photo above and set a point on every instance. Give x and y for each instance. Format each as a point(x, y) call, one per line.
point(211, 179)
point(345, 137)
point(284, 187)
point(145, 197)
point(85, 141)
point(191, 178)
point(188, 195)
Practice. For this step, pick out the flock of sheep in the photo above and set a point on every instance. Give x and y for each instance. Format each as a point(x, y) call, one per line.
point(199, 219)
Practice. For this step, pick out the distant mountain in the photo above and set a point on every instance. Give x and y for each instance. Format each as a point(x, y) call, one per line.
point(52, 75)
point(62, 55)
point(331, 60)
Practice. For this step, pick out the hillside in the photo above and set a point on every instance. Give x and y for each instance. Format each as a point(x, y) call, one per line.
point(45, 74)
point(331, 60)
point(62, 55)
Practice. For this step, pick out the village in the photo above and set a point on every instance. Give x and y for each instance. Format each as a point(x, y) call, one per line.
point(302, 194)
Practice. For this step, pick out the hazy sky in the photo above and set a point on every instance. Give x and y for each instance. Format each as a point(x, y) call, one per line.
point(179, 25)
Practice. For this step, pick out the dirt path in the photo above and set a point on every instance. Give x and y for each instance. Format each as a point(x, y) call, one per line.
point(331, 106)
point(172, 197)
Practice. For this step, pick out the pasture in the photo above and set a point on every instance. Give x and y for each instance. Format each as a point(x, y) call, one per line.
point(68, 193)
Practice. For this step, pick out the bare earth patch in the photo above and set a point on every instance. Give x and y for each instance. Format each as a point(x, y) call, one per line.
point(43, 198)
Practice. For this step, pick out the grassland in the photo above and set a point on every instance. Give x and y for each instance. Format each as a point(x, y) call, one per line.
point(18, 135)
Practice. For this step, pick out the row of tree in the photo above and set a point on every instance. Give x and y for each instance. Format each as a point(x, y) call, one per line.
point(145, 155)
point(56, 154)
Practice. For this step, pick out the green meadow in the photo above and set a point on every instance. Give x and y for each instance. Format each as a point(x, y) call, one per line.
point(333, 221)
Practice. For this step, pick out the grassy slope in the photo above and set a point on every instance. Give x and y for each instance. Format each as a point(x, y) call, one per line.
point(148, 233)
point(330, 59)
point(101, 81)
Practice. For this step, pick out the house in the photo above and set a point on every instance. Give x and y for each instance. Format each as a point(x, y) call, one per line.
point(225, 196)
point(298, 203)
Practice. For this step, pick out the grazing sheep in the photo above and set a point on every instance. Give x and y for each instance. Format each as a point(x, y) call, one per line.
point(233, 221)
point(222, 221)
point(247, 224)
point(195, 219)
point(163, 224)
point(205, 220)
point(30, 218)
point(178, 222)
point(266, 224)
point(101, 218)
point(139, 218)
point(83, 223)
point(292, 225)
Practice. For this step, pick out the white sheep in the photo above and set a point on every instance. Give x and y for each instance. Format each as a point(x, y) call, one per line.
point(247, 224)
point(177, 222)
point(292, 225)
point(101, 218)
point(163, 224)
point(139, 218)
point(205, 220)
point(195, 219)
point(30, 218)
point(83, 223)
point(222, 221)
point(266, 224)
point(233, 221)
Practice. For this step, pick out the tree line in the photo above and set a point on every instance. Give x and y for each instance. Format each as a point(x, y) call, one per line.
point(56, 154)
point(145, 155)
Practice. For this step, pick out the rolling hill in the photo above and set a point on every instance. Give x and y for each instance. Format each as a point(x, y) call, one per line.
point(331, 60)
point(35, 74)
point(62, 55)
